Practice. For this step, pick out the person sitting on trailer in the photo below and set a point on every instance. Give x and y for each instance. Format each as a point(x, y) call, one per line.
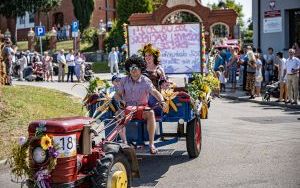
point(154, 72)
point(153, 69)
point(135, 89)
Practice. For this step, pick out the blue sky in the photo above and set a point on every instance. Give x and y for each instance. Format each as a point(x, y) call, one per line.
point(247, 7)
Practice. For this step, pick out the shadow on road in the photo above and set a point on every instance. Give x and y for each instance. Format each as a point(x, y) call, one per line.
point(152, 168)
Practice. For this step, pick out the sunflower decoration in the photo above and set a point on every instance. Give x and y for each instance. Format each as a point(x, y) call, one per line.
point(202, 85)
point(46, 142)
point(19, 157)
point(148, 48)
point(169, 95)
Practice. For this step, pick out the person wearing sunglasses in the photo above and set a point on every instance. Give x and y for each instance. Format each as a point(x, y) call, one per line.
point(134, 90)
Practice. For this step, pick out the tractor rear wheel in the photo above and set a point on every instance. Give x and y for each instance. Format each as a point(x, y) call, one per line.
point(112, 171)
point(193, 137)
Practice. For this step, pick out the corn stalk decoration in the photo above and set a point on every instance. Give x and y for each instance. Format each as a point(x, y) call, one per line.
point(202, 85)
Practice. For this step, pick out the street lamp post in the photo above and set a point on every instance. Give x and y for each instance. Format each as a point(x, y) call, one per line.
point(7, 34)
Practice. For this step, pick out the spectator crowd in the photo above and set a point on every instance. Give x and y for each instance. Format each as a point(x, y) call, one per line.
point(253, 70)
point(42, 67)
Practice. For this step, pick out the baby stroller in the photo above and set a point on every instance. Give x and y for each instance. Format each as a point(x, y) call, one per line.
point(88, 73)
point(271, 90)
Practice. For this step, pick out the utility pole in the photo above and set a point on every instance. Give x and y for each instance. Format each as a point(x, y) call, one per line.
point(106, 14)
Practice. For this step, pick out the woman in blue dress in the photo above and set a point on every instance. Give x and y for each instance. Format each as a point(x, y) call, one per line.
point(232, 68)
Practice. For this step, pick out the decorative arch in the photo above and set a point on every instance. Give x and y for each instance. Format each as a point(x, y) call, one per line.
point(204, 14)
point(181, 10)
point(219, 23)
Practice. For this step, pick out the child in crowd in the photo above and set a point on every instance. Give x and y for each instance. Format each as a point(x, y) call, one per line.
point(220, 74)
point(221, 77)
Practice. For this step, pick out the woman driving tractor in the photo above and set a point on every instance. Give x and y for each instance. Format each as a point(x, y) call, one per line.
point(134, 90)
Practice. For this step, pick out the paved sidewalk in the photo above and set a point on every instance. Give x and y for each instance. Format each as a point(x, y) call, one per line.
point(241, 96)
point(80, 92)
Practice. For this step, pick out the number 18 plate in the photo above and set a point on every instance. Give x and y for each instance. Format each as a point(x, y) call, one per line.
point(66, 144)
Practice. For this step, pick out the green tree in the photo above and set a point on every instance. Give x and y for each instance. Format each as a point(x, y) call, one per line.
point(83, 9)
point(11, 9)
point(125, 8)
point(230, 4)
point(248, 33)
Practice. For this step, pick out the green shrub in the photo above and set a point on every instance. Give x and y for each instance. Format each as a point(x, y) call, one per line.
point(90, 35)
point(115, 37)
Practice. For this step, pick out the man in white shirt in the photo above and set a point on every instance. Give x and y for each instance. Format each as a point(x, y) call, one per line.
point(23, 64)
point(71, 65)
point(292, 67)
point(61, 60)
point(113, 61)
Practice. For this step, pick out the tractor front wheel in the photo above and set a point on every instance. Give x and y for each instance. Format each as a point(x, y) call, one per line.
point(193, 137)
point(112, 171)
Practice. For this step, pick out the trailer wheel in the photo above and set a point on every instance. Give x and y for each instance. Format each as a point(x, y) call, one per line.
point(193, 137)
point(113, 170)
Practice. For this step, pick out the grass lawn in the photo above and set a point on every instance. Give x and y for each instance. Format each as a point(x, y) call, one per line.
point(101, 67)
point(19, 105)
point(22, 45)
point(66, 45)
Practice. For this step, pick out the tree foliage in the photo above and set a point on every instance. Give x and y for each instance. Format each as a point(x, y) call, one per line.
point(125, 8)
point(14, 8)
point(83, 9)
point(115, 38)
point(230, 4)
point(248, 33)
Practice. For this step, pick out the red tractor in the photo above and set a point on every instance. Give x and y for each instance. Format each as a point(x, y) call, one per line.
point(82, 161)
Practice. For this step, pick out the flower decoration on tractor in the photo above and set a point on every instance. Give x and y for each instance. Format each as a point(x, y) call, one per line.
point(45, 152)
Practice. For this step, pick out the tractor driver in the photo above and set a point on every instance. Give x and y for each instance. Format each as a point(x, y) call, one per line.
point(134, 89)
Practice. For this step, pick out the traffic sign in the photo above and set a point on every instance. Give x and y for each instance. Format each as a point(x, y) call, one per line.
point(74, 34)
point(40, 31)
point(75, 26)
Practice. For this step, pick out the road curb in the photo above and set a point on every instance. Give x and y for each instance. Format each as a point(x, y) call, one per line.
point(270, 103)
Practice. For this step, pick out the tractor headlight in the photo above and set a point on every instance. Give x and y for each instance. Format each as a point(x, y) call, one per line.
point(39, 155)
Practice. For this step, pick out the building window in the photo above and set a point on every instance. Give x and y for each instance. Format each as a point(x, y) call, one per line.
point(22, 20)
point(294, 29)
point(220, 31)
point(31, 17)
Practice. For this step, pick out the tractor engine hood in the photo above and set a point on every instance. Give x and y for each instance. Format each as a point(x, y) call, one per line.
point(61, 125)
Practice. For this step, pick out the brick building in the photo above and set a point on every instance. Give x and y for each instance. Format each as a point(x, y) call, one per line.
point(103, 10)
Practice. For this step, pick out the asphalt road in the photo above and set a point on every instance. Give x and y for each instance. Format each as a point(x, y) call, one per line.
point(243, 145)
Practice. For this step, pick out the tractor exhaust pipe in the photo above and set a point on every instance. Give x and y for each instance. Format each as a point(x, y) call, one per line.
point(86, 140)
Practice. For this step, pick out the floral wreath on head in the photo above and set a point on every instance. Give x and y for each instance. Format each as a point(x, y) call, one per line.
point(148, 48)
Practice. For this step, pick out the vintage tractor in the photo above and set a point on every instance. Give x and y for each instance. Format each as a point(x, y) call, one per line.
point(83, 158)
